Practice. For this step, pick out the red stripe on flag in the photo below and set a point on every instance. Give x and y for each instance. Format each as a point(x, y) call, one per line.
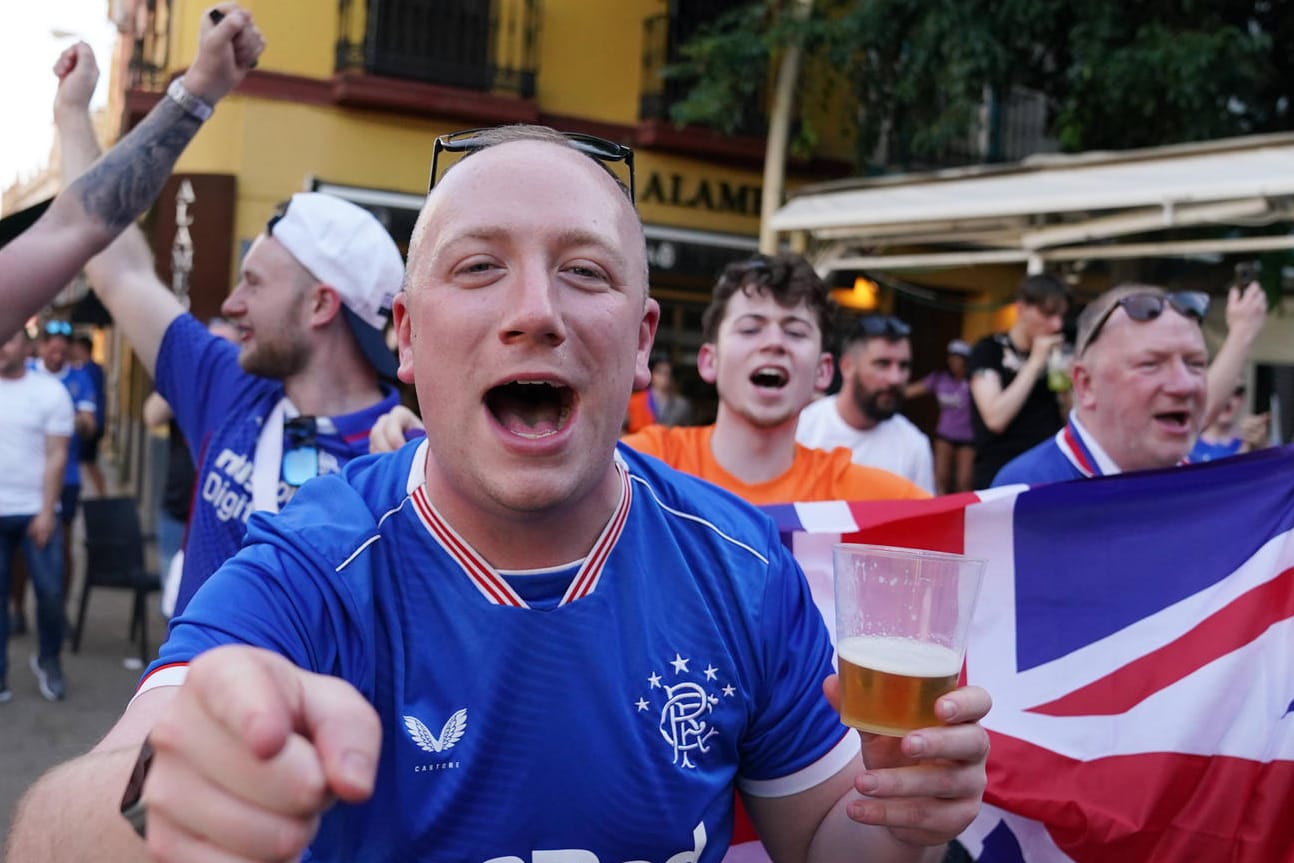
point(1243, 620)
point(1157, 807)
point(936, 525)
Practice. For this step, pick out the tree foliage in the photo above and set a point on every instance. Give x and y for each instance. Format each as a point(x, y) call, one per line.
point(1113, 74)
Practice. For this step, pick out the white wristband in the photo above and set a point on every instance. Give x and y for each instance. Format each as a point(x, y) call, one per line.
point(191, 104)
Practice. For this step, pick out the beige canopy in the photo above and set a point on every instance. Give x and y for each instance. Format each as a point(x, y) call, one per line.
point(1051, 208)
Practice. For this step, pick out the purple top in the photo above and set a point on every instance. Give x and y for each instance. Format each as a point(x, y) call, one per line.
point(954, 406)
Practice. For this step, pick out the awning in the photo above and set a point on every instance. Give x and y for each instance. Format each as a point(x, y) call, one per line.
point(1052, 208)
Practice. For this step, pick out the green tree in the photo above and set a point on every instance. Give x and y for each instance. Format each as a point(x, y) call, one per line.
point(1114, 74)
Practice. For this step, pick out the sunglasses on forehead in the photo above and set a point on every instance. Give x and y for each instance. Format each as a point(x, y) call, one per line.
point(881, 326)
point(58, 328)
point(1142, 307)
point(471, 140)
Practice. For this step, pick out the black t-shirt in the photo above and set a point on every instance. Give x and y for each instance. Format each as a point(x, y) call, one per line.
point(177, 494)
point(1038, 419)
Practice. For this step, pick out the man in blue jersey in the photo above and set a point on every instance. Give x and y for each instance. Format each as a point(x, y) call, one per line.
point(1142, 382)
point(511, 641)
point(87, 215)
point(296, 395)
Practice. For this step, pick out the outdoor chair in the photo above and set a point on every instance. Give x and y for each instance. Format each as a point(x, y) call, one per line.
point(114, 557)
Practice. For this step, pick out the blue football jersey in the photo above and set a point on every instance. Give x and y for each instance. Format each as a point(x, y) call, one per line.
point(605, 709)
point(220, 409)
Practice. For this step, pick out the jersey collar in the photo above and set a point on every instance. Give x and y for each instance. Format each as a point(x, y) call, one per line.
point(1083, 451)
point(493, 586)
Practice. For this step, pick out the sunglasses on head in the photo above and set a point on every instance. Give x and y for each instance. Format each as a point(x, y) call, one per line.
point(881, 326)
point(471, 140)
point(1142, 307)
point(277, 217)
point(58, 328)
point(301, 455)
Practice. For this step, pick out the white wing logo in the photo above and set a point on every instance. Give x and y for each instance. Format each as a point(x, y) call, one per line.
point(450, 734)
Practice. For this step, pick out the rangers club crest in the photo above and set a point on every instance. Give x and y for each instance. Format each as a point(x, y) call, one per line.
point(682, 701)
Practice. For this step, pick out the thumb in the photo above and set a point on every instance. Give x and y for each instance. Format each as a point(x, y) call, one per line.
point(66, 62)
point(831, 689)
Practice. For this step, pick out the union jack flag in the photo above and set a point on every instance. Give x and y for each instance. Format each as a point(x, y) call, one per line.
point(1137, 635)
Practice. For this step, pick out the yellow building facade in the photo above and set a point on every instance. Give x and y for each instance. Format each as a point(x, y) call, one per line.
point(349, 97)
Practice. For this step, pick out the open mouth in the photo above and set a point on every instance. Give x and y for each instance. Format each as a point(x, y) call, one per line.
point(769, 376)
point(531, 409)
point(1176, 419)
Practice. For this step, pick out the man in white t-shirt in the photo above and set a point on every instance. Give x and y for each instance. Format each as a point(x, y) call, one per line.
point(35, 427)
point(875, 367)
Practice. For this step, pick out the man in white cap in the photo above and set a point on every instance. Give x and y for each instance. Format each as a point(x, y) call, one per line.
point(296, 395)
point(875, 367)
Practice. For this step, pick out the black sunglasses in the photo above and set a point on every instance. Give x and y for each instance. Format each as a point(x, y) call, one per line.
point(1142, 307)
point(58, 328)
point(471, 140)
point(881, 326)
point(301, 457)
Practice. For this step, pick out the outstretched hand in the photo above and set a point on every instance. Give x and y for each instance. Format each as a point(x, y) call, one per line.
point(227, 49)
point(925, 787)
point(251, 751)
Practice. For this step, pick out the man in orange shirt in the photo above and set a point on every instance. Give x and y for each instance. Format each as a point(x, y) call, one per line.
point(765, 336)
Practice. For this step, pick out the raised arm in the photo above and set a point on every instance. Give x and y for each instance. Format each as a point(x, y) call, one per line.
point(998, 405)
point(1246, 315)
point(88, 214)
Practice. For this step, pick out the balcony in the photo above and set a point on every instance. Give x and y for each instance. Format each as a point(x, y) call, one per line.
point(488, 47)
point(663, 38)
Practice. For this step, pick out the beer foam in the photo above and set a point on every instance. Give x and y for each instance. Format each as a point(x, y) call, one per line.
point(900, 656)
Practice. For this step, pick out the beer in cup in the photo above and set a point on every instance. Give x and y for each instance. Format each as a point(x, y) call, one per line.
point(901, 620)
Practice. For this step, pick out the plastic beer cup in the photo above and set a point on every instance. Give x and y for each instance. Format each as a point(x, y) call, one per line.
point(901, 620)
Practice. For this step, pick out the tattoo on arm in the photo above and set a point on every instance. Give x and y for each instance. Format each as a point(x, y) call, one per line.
point(126, 180)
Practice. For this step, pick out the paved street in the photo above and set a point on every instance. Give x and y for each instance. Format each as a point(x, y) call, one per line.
point(35, 734)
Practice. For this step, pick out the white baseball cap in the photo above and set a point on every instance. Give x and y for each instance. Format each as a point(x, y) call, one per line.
point(345, 246)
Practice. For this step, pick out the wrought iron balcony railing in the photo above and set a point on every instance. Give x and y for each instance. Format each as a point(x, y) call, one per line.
point(663, 37)
point(484, 45)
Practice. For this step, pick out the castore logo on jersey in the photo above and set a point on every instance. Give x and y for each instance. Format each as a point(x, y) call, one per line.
point(450, 733)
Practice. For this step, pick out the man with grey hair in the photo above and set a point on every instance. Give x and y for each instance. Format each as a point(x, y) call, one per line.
point(1143, 386)
point(512, 636)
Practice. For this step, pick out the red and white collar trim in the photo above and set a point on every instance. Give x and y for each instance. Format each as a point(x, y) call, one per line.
point(1082, 450)
point(495, 587)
